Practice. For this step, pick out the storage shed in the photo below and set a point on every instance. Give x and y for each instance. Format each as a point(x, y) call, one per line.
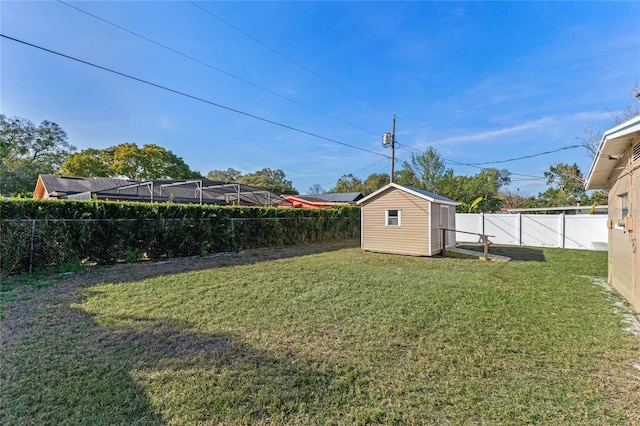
point(403, 220)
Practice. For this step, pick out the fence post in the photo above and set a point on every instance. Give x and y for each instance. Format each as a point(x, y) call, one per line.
point(562, 230)
point(31, 244)
point(519, 229)
point(486, 247)
point(444, 244)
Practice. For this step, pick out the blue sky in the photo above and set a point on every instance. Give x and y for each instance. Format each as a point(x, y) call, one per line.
point(478, 81)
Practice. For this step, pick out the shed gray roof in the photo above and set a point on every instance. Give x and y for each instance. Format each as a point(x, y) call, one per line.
point(429, 196)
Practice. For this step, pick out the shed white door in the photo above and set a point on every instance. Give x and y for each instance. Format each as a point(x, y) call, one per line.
point(444, 223)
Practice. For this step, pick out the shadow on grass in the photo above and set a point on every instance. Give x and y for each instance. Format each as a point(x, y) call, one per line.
point(61, 367)
point(216, 378)
point(514, 252)
point(58, 367)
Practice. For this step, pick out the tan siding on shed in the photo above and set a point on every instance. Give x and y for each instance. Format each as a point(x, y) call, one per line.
point(410, 238)
point(436, 232)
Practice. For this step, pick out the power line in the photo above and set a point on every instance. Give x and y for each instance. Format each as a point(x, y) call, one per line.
point(354, 173)
point(302, 66)
point(523, 157)
point(177, 92)
point(499, 161)
point(458, 163)
point(293, 61)
point(477, 165)
point(228, 74)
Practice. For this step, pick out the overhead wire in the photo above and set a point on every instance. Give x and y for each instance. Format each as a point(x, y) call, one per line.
point(271, 91)
point(458, 163)
point(523, 157)
point(255, 39)
point(335, 181)
point(288, 58)
point(302, 66)
point(193, 97)
point(201, 62)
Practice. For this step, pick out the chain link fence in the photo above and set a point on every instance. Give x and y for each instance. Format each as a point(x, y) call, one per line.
point(42, 244)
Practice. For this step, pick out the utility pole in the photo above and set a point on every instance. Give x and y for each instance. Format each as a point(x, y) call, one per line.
point(390, 139)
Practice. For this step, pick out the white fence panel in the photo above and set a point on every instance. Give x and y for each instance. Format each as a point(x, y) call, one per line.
point(541, 230)
point(586, 232)
point(469, 222)
point(503, 227)
point(566, 231)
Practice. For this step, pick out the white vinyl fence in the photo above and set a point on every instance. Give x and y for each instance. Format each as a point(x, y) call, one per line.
point(587, 232)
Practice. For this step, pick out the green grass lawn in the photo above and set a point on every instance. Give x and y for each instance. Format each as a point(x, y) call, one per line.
point(336, 337)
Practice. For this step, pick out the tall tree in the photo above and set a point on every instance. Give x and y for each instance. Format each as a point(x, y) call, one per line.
point(229, 175)
point(515, 200)
point(479, 192)
point(271, 180)
point(89, 162)
point(567, 186)
point(151, 162)
point(27, 150)
point(425, 171)
point(374, 182)
point(316, 189)
point(348, 183)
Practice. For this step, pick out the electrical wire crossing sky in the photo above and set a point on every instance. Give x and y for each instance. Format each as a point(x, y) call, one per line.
point(311, 87)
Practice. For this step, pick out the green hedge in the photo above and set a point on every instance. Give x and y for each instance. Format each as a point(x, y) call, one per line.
point(36, 235)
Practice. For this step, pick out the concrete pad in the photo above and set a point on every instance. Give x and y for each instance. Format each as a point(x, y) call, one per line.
point(471, 254)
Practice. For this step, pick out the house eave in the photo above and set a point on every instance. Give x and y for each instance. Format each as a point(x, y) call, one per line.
point(613, 144)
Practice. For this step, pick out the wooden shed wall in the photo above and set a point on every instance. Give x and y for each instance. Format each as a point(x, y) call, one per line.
point(412, 237)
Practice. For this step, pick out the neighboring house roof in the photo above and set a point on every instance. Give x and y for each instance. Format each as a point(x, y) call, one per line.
point(568, 209)
point(429, 196)
point(62, 186)
point(614, 143)
point(335, 197)
point(323, 201)
point(310, 202)
point(180, 191)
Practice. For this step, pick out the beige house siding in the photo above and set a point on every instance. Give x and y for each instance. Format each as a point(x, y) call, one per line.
point(410, 238)
point(623, 254)
point(616, 168)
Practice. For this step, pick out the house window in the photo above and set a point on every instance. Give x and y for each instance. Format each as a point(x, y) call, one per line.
point(624, 205)
point(393, 217)
point(620, 224)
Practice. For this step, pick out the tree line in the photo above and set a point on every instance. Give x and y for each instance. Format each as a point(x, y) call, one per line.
point(486, 191)
point(27, 150)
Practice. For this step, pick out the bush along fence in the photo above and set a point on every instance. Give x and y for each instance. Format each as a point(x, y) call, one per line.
point(40, 235)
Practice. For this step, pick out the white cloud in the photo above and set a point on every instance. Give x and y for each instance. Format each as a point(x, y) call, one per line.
point(492, 134)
